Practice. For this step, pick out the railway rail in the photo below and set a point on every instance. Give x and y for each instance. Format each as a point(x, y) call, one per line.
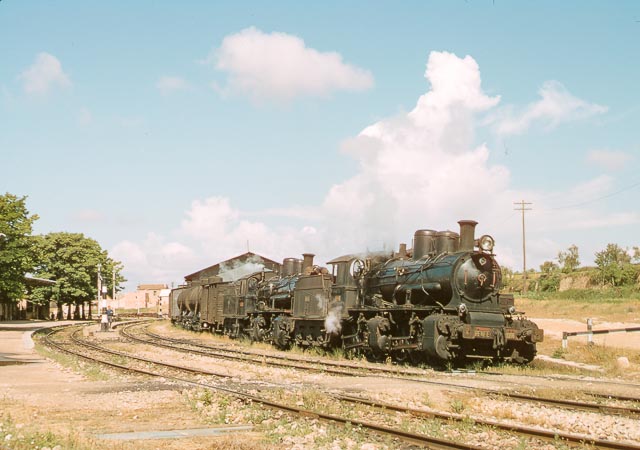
point(330, 368)
point(431, 442)
point(410, 437)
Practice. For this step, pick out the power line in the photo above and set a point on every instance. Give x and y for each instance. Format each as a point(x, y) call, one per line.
point(523, 207)
point(586, 202)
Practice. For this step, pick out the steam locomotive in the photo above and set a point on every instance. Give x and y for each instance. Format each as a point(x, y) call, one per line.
point(438, 303)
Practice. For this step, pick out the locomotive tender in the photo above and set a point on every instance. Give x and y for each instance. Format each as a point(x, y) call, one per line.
point(439, 304)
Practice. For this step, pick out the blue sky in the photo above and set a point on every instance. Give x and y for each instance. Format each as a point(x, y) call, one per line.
point(174, 133)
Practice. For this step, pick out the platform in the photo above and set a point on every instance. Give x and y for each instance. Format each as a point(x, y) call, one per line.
point(16, 343)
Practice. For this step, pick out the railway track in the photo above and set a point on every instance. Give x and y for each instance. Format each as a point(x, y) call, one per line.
point(430, 442)
point(340, 369)
point(527, 431)
point(401, 434)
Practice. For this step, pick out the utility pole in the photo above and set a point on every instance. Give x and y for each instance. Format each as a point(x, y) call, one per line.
point(522, 207)
point(99, 289)
point(113, 285)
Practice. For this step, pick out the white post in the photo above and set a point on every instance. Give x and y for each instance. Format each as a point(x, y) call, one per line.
point(590, 330)
point(113, 288)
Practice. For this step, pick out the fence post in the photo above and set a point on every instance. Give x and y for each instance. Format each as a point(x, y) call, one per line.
point(565, 341)
point(590, 330)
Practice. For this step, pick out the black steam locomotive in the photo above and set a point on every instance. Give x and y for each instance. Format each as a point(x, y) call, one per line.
point(439, 302)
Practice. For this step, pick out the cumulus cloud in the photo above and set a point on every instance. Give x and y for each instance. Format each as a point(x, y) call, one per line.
point(223, 231)
point(45, 73)
point(556, 105)
point(154, 259)
point(169, 84)
point(279, 66)
point(609, 160)
point(420, 169)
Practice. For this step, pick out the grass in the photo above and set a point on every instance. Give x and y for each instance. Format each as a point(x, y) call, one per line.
point(18, 436)
point(92, 372)
point(600, 355)
point(612, 305)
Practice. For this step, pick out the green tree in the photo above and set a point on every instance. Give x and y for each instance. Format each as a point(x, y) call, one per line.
point(507, 276)
point(569, 260)
point(550, 276)
point(614, 266)
point(72, 260)
point(16, 246)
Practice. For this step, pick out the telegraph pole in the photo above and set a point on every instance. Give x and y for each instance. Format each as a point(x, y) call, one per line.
point(523, 207)
point(99, 286)
point(113, 285)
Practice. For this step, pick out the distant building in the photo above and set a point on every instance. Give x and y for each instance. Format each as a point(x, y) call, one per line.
point(236, 267)
point(145, 296)
point(25, 309)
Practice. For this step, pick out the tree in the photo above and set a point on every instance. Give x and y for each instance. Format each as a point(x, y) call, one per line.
point(569, 260)
point(16, 251)
point(614, 265)
point(550, 276)
point(72, 260)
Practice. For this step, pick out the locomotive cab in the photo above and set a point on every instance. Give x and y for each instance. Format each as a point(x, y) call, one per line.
point(347, 271)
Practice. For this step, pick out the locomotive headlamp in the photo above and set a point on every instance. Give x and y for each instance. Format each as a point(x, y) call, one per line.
point(462, 309)
point(486, 243)
point(512, 309)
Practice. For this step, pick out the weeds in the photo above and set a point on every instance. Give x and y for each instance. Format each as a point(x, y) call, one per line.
point(457, 406)
point(16, 436)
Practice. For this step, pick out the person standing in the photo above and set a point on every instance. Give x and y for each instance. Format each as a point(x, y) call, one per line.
point(110, 315)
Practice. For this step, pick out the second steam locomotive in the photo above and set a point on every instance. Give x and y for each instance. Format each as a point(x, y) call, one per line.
point(438, 303)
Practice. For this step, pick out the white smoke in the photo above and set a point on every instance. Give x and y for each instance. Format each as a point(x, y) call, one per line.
point(333, 321)
point(234, 270)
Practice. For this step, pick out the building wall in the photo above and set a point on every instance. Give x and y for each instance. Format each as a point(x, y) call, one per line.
point(141, 298)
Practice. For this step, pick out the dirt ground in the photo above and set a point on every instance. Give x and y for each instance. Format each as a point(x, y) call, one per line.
point(41, 394)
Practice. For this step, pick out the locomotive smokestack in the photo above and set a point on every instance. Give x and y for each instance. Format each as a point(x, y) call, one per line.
point(308, 261)
point(402, 251)
point(467, 234)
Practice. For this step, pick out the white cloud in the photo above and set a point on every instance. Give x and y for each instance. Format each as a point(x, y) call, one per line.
point(421, 169)
point(279, 66)
point(45, 73)
point(154, 260)
point(609, 160)
point(556, 106)
point(168, 84)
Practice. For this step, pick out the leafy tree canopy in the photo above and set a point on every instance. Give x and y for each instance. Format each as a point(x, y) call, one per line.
point(614, 265)
point(72, 260)
point(16, 257)
point(548, 267)
point(569, 260)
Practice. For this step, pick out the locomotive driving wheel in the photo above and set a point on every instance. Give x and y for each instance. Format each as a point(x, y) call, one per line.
point(258, 328)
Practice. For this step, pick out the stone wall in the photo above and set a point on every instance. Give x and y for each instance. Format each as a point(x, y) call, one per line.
point(575, 282)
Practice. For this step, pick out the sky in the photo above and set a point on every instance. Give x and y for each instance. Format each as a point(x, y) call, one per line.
point(180, 134)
